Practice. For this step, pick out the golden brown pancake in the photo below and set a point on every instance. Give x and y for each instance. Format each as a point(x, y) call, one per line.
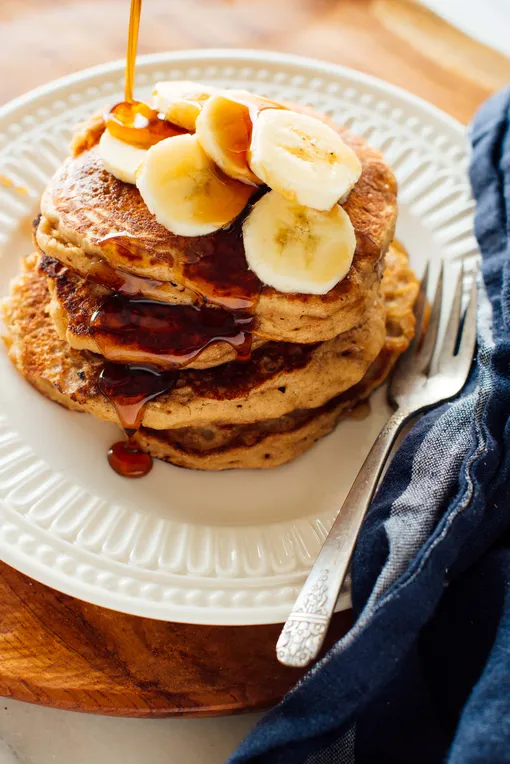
point(280, 378)
point(84, 204)
point(268, 443)
point(216, 446)
point(74, 300)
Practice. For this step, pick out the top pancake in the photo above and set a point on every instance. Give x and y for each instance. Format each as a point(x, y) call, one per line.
point(84, 203)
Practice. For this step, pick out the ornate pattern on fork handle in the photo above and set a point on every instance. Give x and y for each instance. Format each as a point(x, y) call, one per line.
point(305, 628)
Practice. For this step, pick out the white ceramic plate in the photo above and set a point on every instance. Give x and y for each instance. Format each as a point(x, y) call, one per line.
point(212, 548)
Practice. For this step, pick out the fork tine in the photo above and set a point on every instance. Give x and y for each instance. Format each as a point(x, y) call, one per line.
point(419, 311)
point(468, 339)
point(429, 342)
point(452, 329)
point(447, 351)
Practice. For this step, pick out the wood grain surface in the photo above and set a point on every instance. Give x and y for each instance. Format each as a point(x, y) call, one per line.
point(58, 651)
point(61, 652)
point(397, 40)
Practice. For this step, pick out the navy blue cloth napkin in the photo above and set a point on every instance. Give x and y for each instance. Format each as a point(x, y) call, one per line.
point(424, 674)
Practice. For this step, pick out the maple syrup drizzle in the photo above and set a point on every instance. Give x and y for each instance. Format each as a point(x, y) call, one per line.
point(136, 123)
point(171, 336)
point(134, 327)
point(121, 246)
point(128, 461)
point(237, 128)
point(218, 273)
point(222, 275)
point(134, 26)
point(130, 388)
point(127, 325)
point(119, 280)
point(133, 121)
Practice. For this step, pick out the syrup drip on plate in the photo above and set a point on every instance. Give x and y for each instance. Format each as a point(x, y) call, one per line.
point(129, 388)
point(172, 335)
point(143, 337)
point(128, 461)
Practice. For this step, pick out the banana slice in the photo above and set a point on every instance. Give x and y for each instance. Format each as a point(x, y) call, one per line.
point(181, 101)
point(297, 249)
point(120, 158)
point(184, 189)
point(224, 129)
point(302, 158)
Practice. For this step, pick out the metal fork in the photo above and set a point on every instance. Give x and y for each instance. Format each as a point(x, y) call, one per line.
point(423, 377)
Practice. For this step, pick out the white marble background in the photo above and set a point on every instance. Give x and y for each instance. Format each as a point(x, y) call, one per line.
point(34, 735)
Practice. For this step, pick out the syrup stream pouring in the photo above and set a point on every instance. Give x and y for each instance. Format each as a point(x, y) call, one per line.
point(134, 25)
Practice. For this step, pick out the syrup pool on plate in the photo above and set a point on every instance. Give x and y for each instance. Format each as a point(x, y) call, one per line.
point(129, 388)
point(128, 461)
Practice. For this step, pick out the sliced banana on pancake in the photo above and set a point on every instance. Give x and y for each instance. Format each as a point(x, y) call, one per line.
point(181, 101)
point(185, 191)
point(120, 158)
point(298, 249)
point(224, 129)
point(302, 158)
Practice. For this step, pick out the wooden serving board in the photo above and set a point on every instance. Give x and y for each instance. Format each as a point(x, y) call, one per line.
point(56, 650)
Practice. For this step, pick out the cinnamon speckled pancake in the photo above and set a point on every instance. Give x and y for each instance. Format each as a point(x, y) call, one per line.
point(84, 203)
point(280, 378)
point(268, 443)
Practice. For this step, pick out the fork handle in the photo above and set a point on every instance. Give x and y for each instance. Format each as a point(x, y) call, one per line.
point(305, 629)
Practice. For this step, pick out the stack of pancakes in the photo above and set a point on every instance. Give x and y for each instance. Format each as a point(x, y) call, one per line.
point(313, 356)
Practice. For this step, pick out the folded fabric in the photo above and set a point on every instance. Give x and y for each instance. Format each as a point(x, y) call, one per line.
point(424, 674)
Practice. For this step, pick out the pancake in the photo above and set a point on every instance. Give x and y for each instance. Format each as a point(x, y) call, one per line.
point(267, 443)
point(279, 379)
point(73, 225)
point(264, 444)
point(74, 300)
